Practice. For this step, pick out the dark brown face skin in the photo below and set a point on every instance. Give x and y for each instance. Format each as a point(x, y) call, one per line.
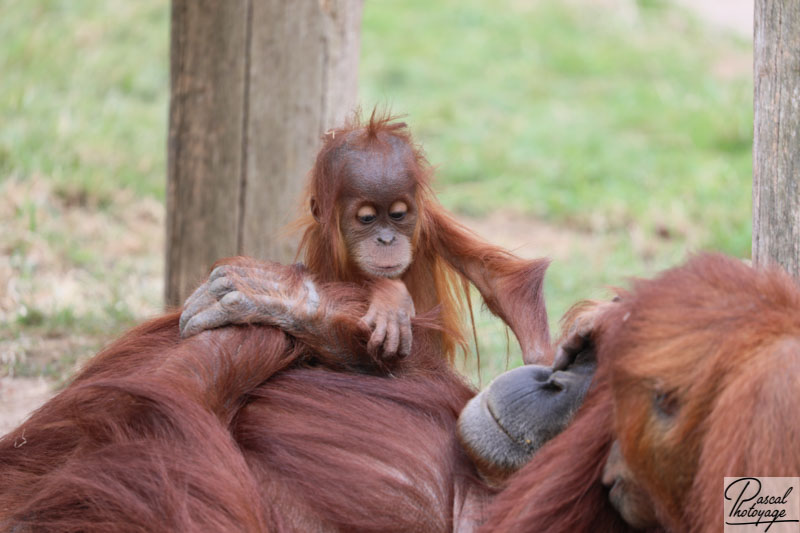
point(378, 213)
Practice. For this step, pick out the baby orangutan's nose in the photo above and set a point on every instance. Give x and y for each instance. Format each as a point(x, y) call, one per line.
point(386, 237)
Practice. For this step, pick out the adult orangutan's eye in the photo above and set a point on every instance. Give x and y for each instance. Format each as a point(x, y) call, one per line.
point(366, 214)
point(398, 210)
point(665, 404)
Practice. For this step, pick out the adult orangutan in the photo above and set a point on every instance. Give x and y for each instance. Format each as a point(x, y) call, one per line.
point(181, 435)
point(698, 379)
point(159, 433)
point(374, 220)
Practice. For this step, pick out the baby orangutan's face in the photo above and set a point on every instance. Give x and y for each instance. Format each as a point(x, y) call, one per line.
point(378, 213)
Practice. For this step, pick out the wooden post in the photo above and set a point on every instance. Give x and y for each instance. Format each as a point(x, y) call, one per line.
point(254, 84)
point(776, 146)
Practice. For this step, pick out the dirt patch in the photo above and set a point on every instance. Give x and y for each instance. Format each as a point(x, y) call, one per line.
point(72, 274)
point(736, 15)
point(18, 397)
point(529, 237)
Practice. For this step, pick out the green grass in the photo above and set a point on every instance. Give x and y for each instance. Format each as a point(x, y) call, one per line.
point(84, 94)
point(624, 127)
point(575, 115)
point(627, 127)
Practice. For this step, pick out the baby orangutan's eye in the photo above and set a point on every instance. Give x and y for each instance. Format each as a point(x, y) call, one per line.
point(398, 210)
point(366, 214)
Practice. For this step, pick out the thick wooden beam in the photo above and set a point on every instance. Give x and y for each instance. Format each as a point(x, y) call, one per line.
point(255, 83)
point(776, 147)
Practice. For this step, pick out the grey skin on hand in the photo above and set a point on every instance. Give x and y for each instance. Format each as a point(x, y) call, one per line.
point(280, 296)
point(248, 295)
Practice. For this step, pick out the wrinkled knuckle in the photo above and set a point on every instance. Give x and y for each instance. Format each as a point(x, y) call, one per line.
point(219, 272)
point(221, 286)
point(234, 300)
point(189, 330)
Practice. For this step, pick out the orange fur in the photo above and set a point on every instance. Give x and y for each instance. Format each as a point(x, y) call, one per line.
point(430, 280)
point(722, 340)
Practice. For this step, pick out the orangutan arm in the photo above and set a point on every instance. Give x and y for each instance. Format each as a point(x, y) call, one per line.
point(246, 291)
point(513, 288)
point(257, 294)
point(325, 316)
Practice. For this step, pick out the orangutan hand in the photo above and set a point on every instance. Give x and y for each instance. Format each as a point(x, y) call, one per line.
point(389, 318)
point(270, 294)
point(583, 318)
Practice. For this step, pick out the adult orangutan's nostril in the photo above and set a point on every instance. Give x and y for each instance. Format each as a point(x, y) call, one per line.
point(542, 374)
point(553, 384)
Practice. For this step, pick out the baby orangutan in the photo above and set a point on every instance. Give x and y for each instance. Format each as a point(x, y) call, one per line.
point(375, 222)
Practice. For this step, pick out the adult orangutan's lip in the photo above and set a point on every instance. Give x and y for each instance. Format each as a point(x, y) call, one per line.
point(486, 405)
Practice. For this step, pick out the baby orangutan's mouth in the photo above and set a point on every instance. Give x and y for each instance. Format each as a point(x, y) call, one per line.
point(386, 271)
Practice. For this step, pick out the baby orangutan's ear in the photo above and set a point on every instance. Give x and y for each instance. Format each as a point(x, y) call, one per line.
point(314, 208)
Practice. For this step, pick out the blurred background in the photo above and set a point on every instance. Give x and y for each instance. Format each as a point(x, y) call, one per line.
point(613, 136)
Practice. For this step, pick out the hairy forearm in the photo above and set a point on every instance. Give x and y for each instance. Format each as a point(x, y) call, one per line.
point(512, 287)
point(324, 317)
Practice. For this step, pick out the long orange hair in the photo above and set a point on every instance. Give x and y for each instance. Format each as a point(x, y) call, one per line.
point(430, 280)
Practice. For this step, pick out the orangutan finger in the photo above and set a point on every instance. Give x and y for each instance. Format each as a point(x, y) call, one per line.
point(220, 287)
point(370, 317)
point(198, 293)
point(392, 338)
point(199, 301)
point(210, 318)
point(238, 304)
point(406, 338)
point(224, 271)
point(563, 358)
point(378, 335)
